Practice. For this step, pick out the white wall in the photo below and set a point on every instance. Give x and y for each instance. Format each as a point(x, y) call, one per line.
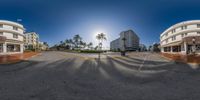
point(191, 31)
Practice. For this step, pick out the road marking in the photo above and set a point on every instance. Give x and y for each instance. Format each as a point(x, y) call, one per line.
point(141, 65)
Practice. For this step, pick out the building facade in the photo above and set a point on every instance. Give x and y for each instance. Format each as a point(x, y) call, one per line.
point(114, 45)
point(182, 38)
point(11, 37)
point(142, 47)
point(43, 46)
point(31, 41)
point(128, 40)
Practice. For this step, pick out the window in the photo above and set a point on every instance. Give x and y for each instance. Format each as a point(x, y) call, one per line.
point(198, 32)
point(166, 34)
point(176, 48)
point(1, 33)
point(186, 34)
point(1, 25)
point(1, 47)
point(13, 48)
point(15, 28)
point(167, 49)
point(174, 30)
point(173, 38)
point(198, 25)
point(15, 36)
point(166, 41)
point(182, 35)
point(183, 27)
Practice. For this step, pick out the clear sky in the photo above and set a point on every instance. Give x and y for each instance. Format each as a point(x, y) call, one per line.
point(57, 20)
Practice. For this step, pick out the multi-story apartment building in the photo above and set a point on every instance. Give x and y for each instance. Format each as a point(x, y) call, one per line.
point(31, 40)
point(142, 47)
point(11, 37)
point(114, 45)
point(43, 46)
point(127, 39)
point(182, 38)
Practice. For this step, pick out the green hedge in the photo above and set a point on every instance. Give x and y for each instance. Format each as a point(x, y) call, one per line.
point(90, 51)
point(28, 50)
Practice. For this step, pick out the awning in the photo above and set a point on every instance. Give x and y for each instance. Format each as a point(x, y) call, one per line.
point(173, 44)
point(2, 38)
point(191, 39)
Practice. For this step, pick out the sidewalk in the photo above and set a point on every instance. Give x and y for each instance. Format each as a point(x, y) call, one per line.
point(5, 59)
point(183, 58)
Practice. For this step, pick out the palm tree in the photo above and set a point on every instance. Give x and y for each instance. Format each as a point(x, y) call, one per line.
point(77, 39)
point(101, 37)
point(82, 44)
point(71, 43)
point(66, 41)
point(90, 45)
point(61, 43)
point(67, 46)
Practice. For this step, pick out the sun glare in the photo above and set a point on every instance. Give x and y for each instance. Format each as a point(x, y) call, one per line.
point(95, 33)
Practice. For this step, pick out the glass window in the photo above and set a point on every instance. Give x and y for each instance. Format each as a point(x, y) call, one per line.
point(182, 35)
point(183, 27)
point(166, 34)
point(15, 28)
point(198, 32)
point(176, 48)
point(186, 34)
point(173, 38)
point(13, 48)
point(1, 47)
point(1, 33)
point(1, 25)
point(167, 49)
point(198, 25)
point(174, 30)
point(15, 36)
point(166, 40)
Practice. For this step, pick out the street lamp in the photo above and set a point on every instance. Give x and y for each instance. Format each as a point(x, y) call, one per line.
point(123, 53)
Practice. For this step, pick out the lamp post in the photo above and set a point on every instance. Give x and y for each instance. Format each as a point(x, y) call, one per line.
point(193, 47)
point(123, 52)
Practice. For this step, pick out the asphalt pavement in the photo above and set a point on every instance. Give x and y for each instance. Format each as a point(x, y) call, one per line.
point(67, 76)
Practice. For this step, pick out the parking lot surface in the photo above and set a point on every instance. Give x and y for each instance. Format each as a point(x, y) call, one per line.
point(66, 76)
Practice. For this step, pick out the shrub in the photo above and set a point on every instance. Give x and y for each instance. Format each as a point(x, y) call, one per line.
point(27, 50)
point(91, 51)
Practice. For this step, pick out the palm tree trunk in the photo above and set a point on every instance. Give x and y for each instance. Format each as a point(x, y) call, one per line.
point(99, 49)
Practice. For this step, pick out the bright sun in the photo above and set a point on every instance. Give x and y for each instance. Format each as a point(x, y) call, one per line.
point(95, 33)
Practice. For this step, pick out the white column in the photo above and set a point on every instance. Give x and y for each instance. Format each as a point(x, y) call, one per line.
point(185, 48)
point(4, 48)
point(171, 49)
point(21, 48)
point(14, 47)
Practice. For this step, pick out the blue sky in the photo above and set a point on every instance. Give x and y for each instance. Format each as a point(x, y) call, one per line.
point(57, 20)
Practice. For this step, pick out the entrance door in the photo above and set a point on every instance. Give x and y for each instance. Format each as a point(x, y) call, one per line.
point(189, 49)
point(198, 48)
point(1, 47)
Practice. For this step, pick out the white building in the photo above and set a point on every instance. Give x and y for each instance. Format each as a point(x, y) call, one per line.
point(114, 45)
point(11, 37)
point(31, 40)
point(182, 38)
point(43, 46)
point(131, 41)
point(142, 47)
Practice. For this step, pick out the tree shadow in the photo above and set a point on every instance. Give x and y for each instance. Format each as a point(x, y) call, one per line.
point(25, 64)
